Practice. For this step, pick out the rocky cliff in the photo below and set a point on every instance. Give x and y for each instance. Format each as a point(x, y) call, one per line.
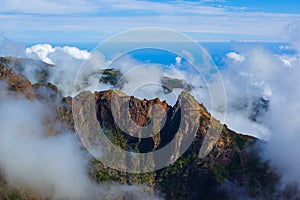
point(232, 163)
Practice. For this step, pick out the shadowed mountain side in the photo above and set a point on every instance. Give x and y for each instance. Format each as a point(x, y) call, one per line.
point(232, 159)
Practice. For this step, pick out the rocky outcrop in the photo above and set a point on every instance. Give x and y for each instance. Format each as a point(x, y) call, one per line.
point(169, 84)
point(232, 158)
point(15, 81)
point(113, 77)
point(40, 70)
point(45, 92)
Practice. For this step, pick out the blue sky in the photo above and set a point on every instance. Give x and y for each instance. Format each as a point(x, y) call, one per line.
point(71, 21)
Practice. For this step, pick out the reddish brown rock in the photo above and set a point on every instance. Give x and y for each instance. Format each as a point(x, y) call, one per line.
point(16, 81)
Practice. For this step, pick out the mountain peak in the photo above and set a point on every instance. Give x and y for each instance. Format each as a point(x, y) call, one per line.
point(216, 156)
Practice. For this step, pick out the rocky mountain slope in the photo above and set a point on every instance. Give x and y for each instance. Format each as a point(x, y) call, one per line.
point(232, 169)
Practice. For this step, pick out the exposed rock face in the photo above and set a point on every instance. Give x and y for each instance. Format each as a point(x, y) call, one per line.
point(40, 72)
point(16, 81)
point(169, 84)
point(232, 162)
point(45, 92)
point(113, 77)
point(115, 110)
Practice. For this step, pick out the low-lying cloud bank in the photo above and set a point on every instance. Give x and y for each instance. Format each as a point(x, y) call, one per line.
point(255, 72)
point(49, 166)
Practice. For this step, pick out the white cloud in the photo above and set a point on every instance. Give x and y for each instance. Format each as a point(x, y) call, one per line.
point(51, 166)
point(178, 60)
point(274, 77)
point(41, 51)
point(47, 6)
point(75, 52)
point(288, 60)
point(114, 16)
point(81, 6)
point(45, 52)
point(235, 56)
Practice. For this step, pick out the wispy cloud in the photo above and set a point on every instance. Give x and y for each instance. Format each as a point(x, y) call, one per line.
point(99, 7)
point(47, 7)
point(109, 17)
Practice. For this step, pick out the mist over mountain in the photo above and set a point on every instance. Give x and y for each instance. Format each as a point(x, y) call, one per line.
point(38, 126)
point(46, 137)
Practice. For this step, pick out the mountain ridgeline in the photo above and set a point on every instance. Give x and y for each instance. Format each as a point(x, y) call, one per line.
point(232, 169)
